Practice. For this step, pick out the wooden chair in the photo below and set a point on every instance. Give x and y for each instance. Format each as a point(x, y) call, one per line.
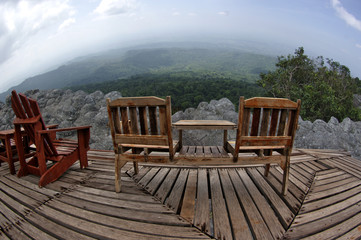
point(141, 127)
point(266, 125)
point(62, 152)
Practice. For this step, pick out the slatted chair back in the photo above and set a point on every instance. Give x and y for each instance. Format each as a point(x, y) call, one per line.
point(267, 123)
point(28, 109)
point(140, 122)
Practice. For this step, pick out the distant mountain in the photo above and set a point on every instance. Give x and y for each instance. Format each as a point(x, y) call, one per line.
point(123, 63)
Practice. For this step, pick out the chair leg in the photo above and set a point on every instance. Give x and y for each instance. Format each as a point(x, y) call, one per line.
point(82, 145)
point(286, 173)
point(266, 170)
point(118, 167)
point(136, 167)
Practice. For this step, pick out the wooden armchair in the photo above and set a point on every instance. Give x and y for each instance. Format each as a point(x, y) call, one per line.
point(63, 152)
point(141, 127)
point(266, 125)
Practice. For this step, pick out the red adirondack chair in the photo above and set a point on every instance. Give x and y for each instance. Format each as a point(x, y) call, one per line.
point(62, 152)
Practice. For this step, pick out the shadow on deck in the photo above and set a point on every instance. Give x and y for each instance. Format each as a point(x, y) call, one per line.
point(163, 202)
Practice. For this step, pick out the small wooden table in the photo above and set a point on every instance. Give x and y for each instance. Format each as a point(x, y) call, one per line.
point(204, 125)
point(7, 154)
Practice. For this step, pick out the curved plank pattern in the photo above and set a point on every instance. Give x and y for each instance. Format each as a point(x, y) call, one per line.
point(164, 202)
point(240, 203)
point(83, 205)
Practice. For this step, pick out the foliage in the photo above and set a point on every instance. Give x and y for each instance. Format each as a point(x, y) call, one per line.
point(325, 87)
point(187, 89)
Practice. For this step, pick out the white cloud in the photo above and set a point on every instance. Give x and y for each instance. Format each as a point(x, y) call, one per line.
point(67, 23)
point(25, 27)
point(346, 16)
point(358, 45)
point(115, 7)
point(24, 19)
point(223, 13)
point(176, 14)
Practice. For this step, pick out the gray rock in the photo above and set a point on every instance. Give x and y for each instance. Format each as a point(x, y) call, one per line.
point(68, 109)
point(222, 109)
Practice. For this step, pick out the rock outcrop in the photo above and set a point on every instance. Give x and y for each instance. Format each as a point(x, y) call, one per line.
point(67, 108)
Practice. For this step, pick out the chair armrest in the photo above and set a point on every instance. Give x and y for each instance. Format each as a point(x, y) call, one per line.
point(64, 129)
point(52, 126)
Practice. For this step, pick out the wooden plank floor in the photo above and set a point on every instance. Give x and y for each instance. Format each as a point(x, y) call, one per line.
point(163, 202)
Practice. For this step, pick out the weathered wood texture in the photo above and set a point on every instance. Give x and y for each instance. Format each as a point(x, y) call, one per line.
point(83, 205)
point(139, 126)
point(165, 202)
point(241, 203)
point(266, 125)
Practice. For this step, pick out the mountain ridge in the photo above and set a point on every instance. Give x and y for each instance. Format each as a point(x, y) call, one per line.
point(124, 63)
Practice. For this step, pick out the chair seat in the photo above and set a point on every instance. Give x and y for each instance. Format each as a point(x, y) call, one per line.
point(161, 147)
point(65, 146)
point(251, 148)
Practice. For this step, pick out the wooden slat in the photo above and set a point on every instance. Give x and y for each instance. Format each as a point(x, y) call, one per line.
point(215, 151)
point(153, 120)
point(148, 177)
point(154, 184)
point(274, 122)
point(246, 120)
point(174, 199)
point(167, 185)
point(137, 101)
point(207, 151)
point(141, 139)
point(265, 122)
point(133, 120)
point(199, 151)
point(116, 120)
point(257, 224)
point(270, 103)
point(265, 141)
point(125, 120)
point(237, 218)
point(202, 211)
point(268, 214)
point(282, 123)
point(143, 120)
point(163, 120)
point(255, 121)
point(222, 227)
point(224, 153)
point(188, 205)
point(284, 214)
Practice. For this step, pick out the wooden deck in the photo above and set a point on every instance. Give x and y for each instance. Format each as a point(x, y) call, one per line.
point(164, 202)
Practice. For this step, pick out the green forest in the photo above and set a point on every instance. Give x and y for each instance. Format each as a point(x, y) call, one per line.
point(187, 89)
point(325, 87)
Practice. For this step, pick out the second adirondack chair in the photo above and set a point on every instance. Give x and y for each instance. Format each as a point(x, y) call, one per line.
point(63, 153)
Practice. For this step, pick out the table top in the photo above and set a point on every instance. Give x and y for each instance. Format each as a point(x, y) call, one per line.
point(4, 133)
point(204, 124)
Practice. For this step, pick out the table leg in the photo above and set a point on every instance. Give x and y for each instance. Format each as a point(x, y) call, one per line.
point(9, 155)
point(225, 135)
point(180, 138)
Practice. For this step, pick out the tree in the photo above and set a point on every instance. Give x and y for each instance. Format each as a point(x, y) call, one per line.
point(325, 87)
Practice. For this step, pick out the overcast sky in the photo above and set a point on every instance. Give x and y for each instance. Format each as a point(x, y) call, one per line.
point(38, 35)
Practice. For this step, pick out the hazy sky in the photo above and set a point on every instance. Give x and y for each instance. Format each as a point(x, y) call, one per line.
point(38, 35)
